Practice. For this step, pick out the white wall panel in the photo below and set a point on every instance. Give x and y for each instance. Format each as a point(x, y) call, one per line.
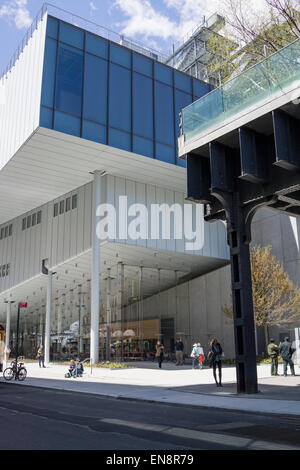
point(19, 115)
point(69, 234)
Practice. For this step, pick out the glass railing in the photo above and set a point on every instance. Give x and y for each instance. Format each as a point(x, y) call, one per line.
point(260, 84)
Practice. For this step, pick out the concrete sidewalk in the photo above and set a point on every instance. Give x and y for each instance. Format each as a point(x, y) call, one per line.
point(175, 385)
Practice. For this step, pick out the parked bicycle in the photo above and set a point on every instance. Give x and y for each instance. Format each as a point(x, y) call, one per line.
point(17, 371)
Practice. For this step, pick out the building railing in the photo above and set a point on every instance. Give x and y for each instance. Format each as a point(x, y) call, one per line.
point(274, 76)
point(87, 25)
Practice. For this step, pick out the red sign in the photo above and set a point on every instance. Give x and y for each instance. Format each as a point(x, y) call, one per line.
point(22, 304)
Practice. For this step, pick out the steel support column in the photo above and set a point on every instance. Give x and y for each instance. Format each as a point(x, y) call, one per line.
point(95, 280)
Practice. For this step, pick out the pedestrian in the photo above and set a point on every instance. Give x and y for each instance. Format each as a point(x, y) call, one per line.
point(215, 357)
point(195, 356)
point(179, 352)
point(7, 352)
point(201, 356)
point(159, 353)
point(40, 356)
point(287, 352)
point(273, 352)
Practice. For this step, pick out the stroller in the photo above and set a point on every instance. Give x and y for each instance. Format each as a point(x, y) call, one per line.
point(75, 369)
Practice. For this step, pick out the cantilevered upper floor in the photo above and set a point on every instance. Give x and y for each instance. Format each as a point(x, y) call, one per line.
point(74, 102)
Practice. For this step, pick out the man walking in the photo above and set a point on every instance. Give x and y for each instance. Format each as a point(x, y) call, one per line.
point(286, 352)
point(273, 352)
point(179, 352)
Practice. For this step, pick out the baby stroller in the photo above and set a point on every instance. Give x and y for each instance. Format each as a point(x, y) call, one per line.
point(75, 369)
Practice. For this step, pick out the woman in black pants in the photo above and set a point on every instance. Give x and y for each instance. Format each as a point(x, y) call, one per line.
point(215, 355)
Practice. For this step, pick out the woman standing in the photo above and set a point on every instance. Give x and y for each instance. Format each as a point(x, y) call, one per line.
point(215, 355)
point(159, 353)
point(40, 356)
point(195, 355)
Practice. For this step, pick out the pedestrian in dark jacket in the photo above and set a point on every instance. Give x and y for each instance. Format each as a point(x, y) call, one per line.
point(179, 352)
point(215, 358)
point(287, 352)
point(273, 352)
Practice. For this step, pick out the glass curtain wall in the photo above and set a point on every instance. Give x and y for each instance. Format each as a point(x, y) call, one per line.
point(98, 90)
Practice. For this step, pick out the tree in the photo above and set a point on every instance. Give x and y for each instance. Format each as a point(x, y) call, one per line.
point(276, 300)
point(255, 35)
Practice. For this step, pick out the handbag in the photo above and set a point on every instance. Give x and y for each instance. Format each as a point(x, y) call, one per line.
point(201, 358)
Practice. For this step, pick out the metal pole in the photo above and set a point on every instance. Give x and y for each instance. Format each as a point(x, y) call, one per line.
point(17, 343)
point(7, 327)
point(108, 316)
point(48, 318)
point(95, 281)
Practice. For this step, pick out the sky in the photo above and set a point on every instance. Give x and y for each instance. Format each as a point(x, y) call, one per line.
point(155, 23)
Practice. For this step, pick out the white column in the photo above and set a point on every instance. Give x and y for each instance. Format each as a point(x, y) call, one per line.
point(95, 280)
point(82, 314)
point(59, 324)
point(42, 326)
point(7, 327)
point(48, 318)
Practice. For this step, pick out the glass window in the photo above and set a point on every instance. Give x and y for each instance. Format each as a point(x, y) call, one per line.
point(46, 117)
point(10, 230)
point(164, 113)
point(74, 201)
point(62, 207)
point(142, 105)
point(39, 217)
point(24, 224)
point(55, 209)
point(68, 204)
point(95, 89)
point(29, 221)
point(120, 98)
point(181, 162)
point(142, 64)
point(120, 55)
point(3, 270)
point(33, 220)
point(96, 45)
point(2, 234)
point(6, 232)
point(71, 35)
point(119, 139)
point(163, 73)
point(67, 124)
point(201, 88)
point(7, 269)
point(181, 101)
point(52, 27)
point(184, 82)
point(165, 153)
point(49, 69)
point(143, 146)
point(69, 80)
point(93, 131)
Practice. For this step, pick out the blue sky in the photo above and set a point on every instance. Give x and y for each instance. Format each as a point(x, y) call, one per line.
point(156, 23)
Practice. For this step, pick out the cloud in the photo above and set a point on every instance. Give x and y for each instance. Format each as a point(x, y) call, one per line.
point(16, 11)
point(93, 7)
point(179, 17)
point(143, 19)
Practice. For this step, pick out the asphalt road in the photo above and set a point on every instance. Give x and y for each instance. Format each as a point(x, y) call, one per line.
point(42, 419)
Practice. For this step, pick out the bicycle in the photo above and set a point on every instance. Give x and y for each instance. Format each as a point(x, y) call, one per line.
point(16, 371)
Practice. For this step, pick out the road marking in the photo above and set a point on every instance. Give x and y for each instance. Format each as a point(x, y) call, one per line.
point(212, 438)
